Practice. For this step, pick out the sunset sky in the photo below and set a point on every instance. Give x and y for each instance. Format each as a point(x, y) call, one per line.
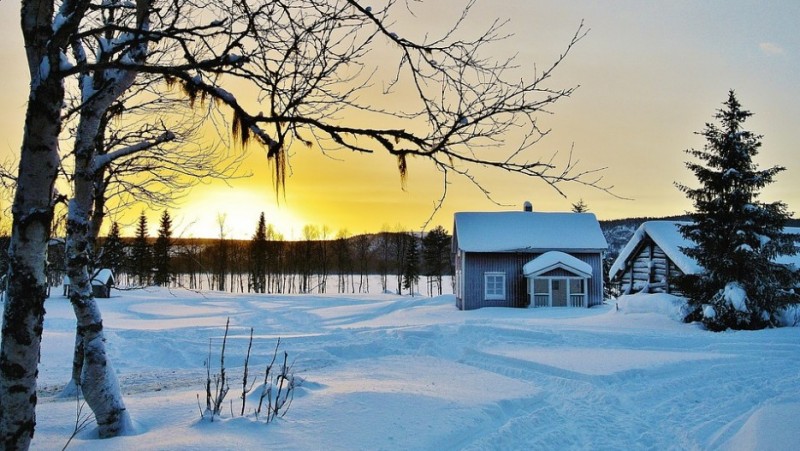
point(650, 74)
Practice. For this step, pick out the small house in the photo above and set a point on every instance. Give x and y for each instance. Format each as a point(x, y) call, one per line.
point(526, 258)
point(653, 259)
point(102, 282)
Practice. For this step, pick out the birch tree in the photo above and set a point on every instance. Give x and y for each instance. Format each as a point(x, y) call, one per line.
point(107, 57)
point(32, 211)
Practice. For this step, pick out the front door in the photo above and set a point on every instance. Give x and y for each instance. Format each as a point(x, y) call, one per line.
point(558, 291)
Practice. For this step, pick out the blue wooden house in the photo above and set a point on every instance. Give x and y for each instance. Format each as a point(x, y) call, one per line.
point(527, 259)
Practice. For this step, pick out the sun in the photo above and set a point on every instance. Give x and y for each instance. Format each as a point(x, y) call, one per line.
point(234, 212)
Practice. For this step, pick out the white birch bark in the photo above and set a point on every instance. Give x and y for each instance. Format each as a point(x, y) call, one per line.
point(97, 380)
point(23, 312)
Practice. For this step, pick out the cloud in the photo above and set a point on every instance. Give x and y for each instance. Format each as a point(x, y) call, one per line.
point(771, 48)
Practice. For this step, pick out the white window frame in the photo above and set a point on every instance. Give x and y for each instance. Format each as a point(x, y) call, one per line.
point(494, 294)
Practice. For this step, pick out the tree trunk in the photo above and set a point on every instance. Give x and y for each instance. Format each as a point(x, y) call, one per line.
point(97, 382)
point(23, 312)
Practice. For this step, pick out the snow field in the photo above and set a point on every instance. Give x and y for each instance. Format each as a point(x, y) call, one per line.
point(395, 372)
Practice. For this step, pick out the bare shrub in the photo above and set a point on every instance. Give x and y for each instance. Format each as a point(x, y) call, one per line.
point(277, 389)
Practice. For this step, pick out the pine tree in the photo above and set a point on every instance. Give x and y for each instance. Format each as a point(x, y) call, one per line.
point(737, 236)
point(141, 257)
point(411, 263)
point(580, 207)
point(258, 257)
point(161, 251)
point(221, 260)
point(113, 256)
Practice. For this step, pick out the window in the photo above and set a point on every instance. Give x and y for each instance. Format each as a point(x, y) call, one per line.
point(494, 286)
point(540, 286)
point(576, 286)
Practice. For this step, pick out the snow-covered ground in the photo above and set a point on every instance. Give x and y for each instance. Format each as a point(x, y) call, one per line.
point(396, 372)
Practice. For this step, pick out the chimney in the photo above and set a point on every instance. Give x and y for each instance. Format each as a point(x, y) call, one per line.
point(527, 206)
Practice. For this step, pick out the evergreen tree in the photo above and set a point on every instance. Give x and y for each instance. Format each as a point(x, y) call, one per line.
point(141, 257)
point(411, 263)
point(737, 236)
point(161, 251)
point(580, 207)
point(113, 256)
point(436, 254)
point(258, 257)
point(220, 252)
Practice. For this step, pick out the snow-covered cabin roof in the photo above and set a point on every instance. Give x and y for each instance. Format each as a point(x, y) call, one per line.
point(556, 260)
point(513, 231)
point(103, 277)
point(669, 238)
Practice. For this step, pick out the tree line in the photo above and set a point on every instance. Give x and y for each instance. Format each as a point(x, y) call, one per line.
point(320, 262)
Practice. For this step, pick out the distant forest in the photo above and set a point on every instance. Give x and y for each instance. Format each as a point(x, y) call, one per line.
point(404, 261)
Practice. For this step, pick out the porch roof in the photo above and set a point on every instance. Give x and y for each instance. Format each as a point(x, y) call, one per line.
point(555, 260)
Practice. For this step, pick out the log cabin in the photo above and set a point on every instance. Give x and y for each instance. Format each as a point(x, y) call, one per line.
point(653, 259)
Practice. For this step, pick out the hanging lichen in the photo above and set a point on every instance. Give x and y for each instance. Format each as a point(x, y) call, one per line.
point(402, 166)
point(240, 129)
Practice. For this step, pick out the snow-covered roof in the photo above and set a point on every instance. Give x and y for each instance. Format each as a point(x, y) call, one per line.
point(669, 238)
point(512, 231)
point(555, 260)
point(102, 277)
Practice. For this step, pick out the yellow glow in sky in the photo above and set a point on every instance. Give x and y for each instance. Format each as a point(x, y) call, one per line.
point(651, 74)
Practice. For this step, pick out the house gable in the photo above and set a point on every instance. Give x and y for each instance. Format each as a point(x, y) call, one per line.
point(556, 261)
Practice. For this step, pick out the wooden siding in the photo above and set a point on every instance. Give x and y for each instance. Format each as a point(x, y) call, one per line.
point(649, 270)
point(477, 264)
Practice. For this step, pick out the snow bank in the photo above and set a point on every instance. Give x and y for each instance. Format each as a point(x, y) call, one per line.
point(768, 428)
point(673, 307)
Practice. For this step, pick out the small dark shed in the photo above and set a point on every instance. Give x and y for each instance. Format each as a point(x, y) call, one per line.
point(102, 282)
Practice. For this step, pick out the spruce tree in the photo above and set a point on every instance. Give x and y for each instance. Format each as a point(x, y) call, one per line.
point(580, 207)
point(141, 257)
point(113, 256)
point(258, 257)
point(737, 236)
point(161, 251)
point(411, 264)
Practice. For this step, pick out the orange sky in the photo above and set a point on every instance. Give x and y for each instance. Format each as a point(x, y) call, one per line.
point(651, 74)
